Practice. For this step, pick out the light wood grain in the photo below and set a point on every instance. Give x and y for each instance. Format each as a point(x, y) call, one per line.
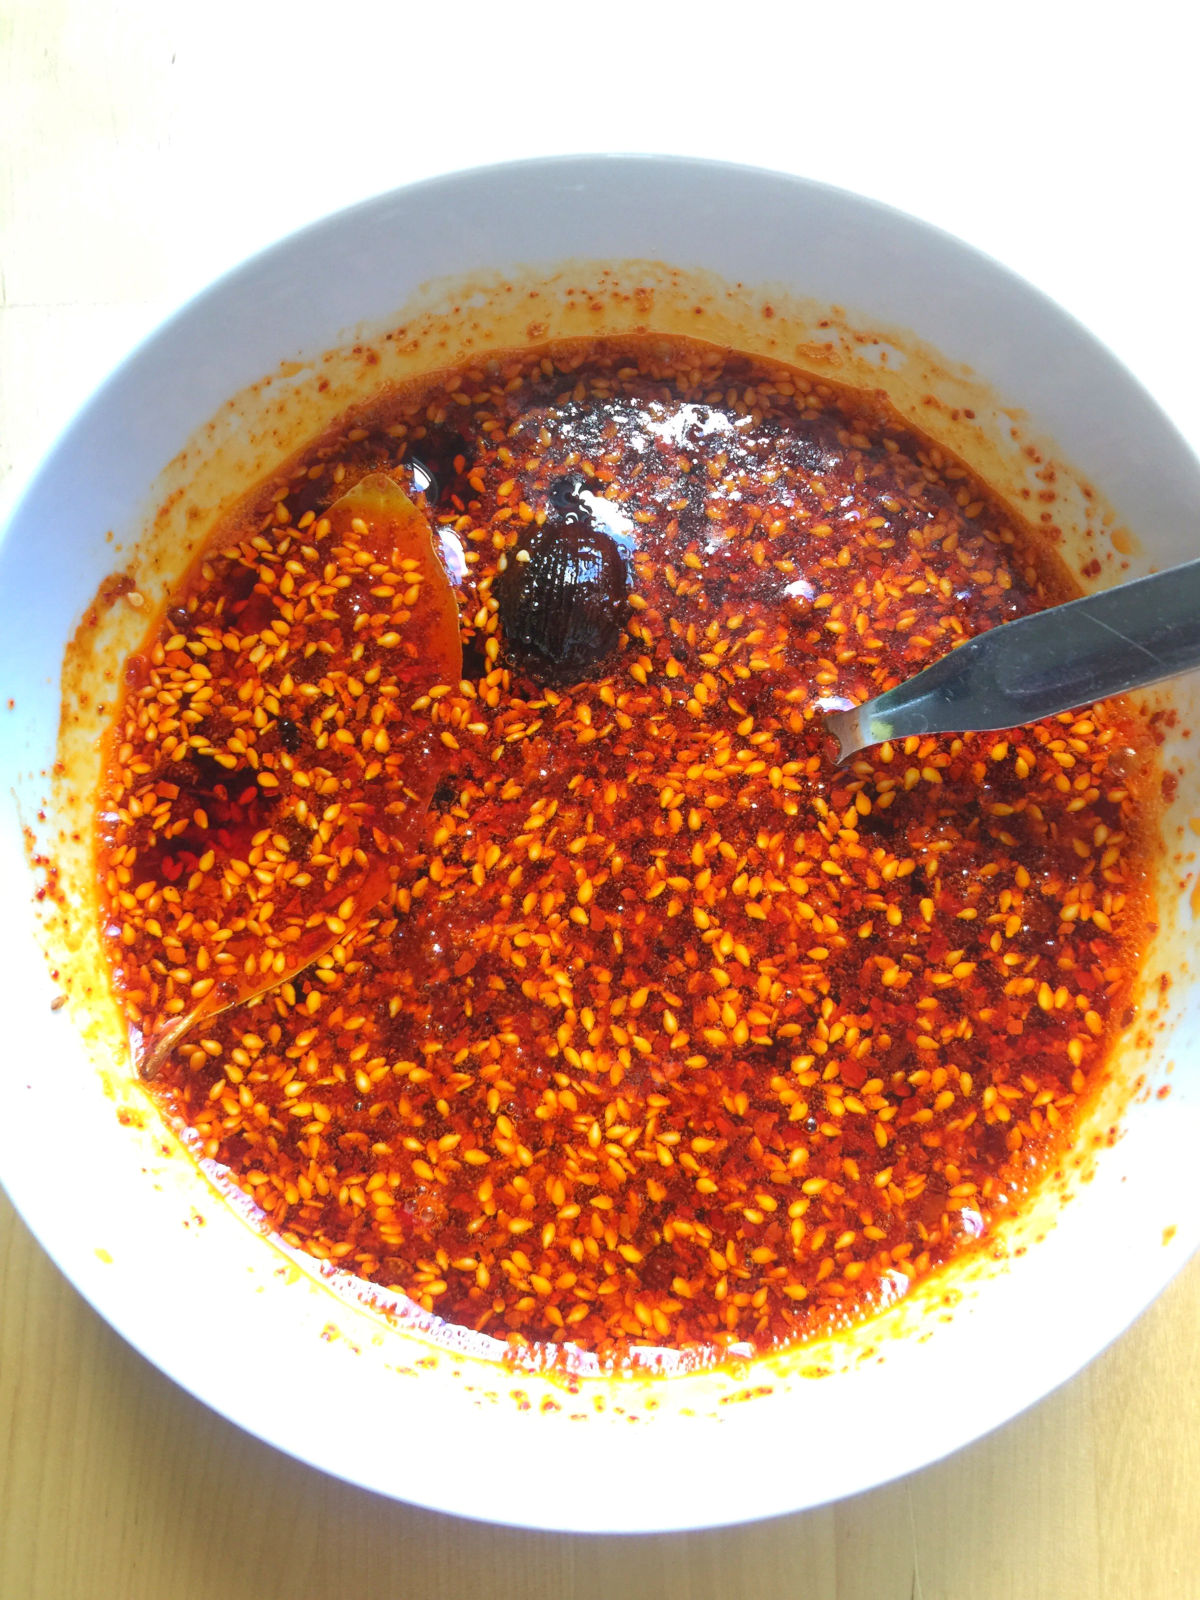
point(144, 146)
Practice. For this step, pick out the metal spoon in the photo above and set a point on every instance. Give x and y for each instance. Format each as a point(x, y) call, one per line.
point(1067, 656)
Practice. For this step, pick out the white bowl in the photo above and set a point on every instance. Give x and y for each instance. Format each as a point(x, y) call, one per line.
point(772, 263)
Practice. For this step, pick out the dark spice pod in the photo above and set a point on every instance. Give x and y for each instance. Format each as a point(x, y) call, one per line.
point(563, 599)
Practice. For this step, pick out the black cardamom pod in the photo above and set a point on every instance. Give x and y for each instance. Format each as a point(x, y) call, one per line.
point(563, 598)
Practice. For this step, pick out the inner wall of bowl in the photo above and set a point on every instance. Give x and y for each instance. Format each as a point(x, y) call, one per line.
point(139, 1261)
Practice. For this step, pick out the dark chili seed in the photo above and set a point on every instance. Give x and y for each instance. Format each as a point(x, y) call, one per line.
point(444, 795)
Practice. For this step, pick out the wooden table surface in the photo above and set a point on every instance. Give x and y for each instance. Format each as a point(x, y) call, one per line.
point(144, 148)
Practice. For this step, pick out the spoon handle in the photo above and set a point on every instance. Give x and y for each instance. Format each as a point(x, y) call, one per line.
point(1123, 638)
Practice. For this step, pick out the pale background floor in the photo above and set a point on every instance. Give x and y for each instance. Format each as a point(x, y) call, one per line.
point(145, 147)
